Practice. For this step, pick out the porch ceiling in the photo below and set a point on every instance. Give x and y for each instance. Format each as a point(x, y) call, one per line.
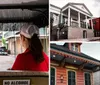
point(73, 12)
point(24, 11)
point(23, 1)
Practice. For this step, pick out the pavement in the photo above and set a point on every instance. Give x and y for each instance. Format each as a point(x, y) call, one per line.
point(82, 40)
point(6, 62)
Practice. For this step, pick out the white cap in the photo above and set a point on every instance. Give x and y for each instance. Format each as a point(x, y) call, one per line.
point(28, 30)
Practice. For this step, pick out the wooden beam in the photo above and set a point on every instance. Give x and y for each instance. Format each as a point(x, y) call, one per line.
point(82, 65)
point(62, 62)
point(96, 68)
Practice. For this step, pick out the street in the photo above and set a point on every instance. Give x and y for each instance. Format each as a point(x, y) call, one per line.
point(6, 62)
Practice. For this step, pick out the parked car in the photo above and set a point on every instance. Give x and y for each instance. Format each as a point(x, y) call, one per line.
point(3, 51)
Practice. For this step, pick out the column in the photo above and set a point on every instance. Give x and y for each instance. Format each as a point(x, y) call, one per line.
point(68, 16)
point(86, 22)
point(91, 23)
point(78, 19)
point(61, 17)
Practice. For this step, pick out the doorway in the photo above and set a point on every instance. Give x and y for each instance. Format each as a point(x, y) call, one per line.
point(84, 34)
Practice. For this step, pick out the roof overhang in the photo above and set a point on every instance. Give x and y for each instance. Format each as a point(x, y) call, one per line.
point(64, 59)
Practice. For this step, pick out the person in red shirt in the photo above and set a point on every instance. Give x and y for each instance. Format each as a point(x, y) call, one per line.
point(33, 59)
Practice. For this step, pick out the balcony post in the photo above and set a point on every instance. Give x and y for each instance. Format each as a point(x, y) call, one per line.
point(79, 19)
point(86, 22)
point(68, 16)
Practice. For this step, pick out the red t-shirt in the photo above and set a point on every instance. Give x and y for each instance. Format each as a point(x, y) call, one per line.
point(25, 61)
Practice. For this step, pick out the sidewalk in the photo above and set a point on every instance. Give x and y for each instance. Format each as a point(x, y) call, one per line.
point(6, 62)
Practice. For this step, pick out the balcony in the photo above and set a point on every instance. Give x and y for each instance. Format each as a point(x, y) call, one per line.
point(74, 24)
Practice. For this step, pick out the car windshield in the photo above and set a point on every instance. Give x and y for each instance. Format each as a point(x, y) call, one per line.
point(2, 48)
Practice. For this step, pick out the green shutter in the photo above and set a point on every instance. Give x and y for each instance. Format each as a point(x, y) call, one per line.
point(52, 76)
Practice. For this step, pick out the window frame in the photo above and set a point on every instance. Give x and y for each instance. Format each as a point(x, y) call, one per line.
point(90, 78)
point(50, 74)
point(75, 76)
point(74, 47)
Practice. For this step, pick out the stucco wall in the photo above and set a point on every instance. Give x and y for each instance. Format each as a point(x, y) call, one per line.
point(75, 33)
point(96, 77)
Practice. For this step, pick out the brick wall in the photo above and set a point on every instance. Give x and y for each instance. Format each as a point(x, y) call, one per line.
point(61, 71)
point(79, 76)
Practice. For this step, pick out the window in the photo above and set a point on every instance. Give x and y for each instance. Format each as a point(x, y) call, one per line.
point(66, 45)
point(87, 79)
point(55, 19)
point(51, 14)
point(74, 47)
point(71, 78)
point(52, 78)
point(55, 16)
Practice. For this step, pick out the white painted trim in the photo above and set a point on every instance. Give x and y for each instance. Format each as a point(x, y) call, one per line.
point(55, 72)
point(65, 8)
point(64, 15)
point(92, 79)
point(86, 22)
point(54, 10)
point(69, 16)
point(91, 23)
point(79, 19)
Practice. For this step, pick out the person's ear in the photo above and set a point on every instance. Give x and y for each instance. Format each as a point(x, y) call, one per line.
point(23, 38)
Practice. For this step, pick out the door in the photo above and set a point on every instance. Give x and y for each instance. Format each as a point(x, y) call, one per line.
point(71, 78)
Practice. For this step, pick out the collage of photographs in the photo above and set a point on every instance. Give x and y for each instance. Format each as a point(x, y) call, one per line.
point(50, 42)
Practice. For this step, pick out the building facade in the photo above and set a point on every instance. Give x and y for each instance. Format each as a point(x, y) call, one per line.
point(14, 43)
point(96, 26)
point(96, 77)
point(75, 17)
point(71, 67)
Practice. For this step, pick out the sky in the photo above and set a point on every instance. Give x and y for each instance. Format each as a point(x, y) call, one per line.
point(91, 49)
point(92, 5)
